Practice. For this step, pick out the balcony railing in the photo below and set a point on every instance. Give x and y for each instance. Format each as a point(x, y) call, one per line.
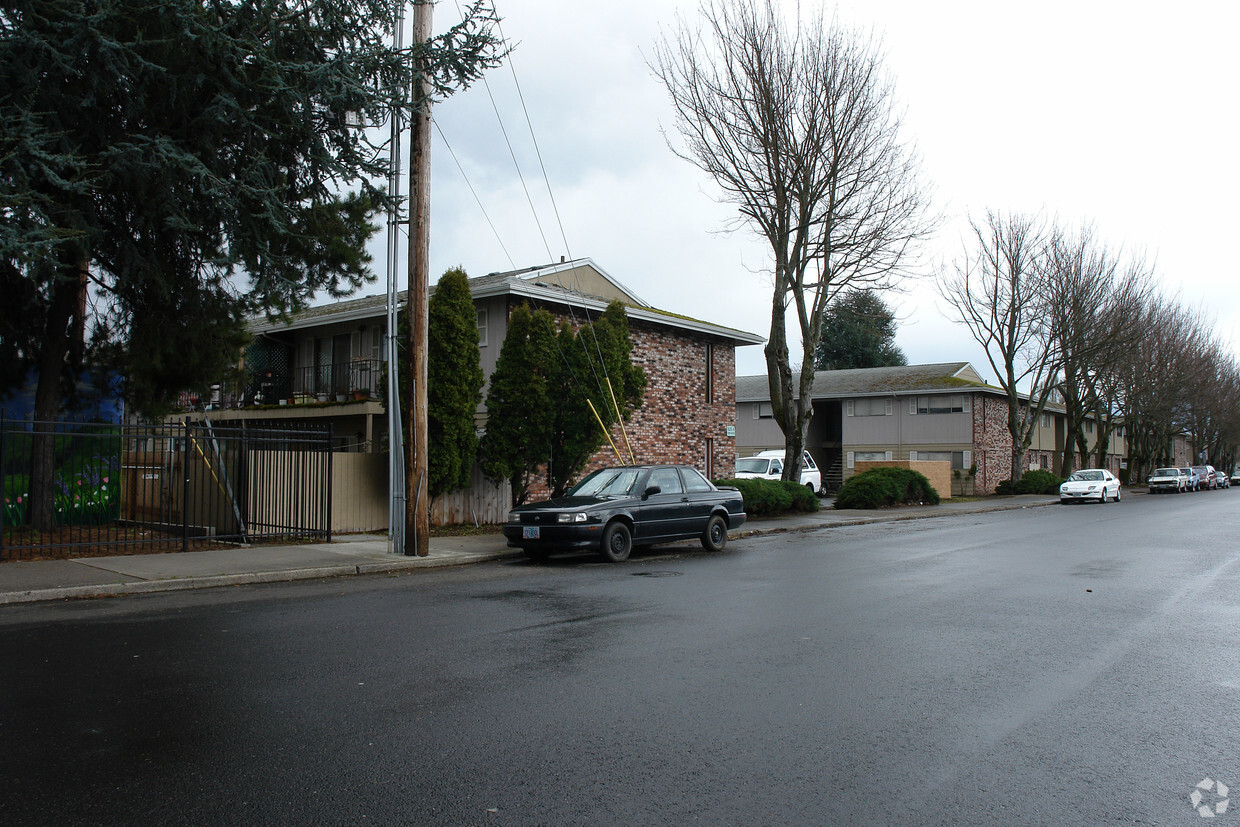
point(357, 379)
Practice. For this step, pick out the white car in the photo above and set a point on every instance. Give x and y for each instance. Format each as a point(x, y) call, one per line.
point(1090, 484)
point(1168, 480)
point(769, 465)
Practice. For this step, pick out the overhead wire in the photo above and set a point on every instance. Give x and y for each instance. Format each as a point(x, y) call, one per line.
point(598, 355)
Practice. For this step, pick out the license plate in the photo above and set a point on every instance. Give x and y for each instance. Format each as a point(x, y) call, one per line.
point(529, 532)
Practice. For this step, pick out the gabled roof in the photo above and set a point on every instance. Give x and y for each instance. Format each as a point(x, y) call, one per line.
point(906, 379)
point(578, 284)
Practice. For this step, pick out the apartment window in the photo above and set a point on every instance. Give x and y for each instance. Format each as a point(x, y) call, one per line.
point(710, 373)
point(959, 459)
point(376, 342)
point(869, 407)
point(763, 410)
point(1046, 420)
point(944, 403)
point(1089, 426)
point(482, 328)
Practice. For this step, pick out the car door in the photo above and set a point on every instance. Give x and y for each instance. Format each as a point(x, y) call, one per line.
point(662, 514)
point(700, 501)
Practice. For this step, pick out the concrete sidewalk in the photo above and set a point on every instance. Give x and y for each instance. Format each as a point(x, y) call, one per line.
point(26, 582)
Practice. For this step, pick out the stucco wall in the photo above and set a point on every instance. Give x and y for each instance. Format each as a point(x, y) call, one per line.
point(939, 473)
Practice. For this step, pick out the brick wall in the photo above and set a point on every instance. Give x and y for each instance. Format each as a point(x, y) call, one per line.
point(992, 444)
point(675, 419)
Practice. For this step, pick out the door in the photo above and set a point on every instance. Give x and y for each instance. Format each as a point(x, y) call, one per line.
point(663, 515)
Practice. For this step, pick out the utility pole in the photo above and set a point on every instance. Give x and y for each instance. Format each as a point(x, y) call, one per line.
point(417, 512)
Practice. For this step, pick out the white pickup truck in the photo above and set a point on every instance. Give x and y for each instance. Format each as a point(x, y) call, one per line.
point(769, 465)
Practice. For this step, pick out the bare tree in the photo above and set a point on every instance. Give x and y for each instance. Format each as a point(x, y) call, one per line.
point(798, 129)
point(996, 289)
point(1092, 299)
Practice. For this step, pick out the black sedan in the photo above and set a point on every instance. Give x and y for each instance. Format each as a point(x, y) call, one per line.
point(614, 509)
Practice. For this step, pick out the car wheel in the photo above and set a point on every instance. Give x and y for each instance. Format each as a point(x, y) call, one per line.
point(1117, 494)
point(715, 535)
point(617, 542)
point(1102, 498)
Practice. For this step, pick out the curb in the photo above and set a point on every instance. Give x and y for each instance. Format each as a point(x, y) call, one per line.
point(404, 564)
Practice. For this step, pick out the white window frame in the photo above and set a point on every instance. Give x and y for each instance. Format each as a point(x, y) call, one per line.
point(483, 321)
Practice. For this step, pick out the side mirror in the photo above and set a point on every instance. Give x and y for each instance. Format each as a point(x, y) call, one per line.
point(654, 489)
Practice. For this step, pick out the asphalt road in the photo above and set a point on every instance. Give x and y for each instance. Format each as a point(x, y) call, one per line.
point(1063, 665)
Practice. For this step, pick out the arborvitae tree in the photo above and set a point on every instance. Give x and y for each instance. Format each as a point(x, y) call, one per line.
point(453, 383)
point(597, 354)
point(519, 403)
point(858, 331)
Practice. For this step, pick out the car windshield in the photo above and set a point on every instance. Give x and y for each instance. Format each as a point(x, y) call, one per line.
point(754, 465)
point(1090, 476)
point(1166, 472)
point(607, 482)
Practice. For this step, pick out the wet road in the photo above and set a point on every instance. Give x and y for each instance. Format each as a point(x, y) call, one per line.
point(1070, 665)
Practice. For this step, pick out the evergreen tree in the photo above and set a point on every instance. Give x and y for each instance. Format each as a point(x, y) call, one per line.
point(453, 383)
point(858, 331)
point(519, 402)
point(168, 167)
point(597, 354)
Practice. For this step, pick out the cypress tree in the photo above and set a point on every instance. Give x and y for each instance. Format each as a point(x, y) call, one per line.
point(453, 383)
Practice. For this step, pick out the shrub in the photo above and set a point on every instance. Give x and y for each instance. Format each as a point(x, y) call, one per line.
point(765, 498)
point(882, 487)
point(1038, 482)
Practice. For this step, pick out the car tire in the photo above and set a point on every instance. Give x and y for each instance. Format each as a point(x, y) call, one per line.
point(1102, 498)
point(617, 542)
point(1118, 494)
point(715, 535)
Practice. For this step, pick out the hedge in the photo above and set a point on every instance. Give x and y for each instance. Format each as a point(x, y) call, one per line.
point(1033, 482)
point(882, 487)
point(765, 498)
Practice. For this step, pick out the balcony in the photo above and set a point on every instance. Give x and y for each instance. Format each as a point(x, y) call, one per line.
point(355, 380)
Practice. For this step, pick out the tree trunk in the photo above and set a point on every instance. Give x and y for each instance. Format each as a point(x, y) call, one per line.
point(58, 334)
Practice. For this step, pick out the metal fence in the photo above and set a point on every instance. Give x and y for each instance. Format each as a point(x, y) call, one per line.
point(81, 489)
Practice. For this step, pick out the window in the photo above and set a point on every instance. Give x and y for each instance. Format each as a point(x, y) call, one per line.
point(709, 463)
point(763, 410)
point(694, 481)
point(482, 328)
point(939, 404)
point(869, 407)
point(959, 459)
point(1089, 426)
point(668, 480)
point(710, 373)
point(376, 342)
point(871, 456)
point(1046, 420)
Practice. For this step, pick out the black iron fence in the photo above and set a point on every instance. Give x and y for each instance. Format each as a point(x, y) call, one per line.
point(356, 379)
point(80, 489)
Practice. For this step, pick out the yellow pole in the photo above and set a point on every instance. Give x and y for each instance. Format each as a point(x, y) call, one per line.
point(620, 419)
point(619, 458)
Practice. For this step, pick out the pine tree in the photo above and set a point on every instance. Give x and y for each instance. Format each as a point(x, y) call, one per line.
point(858, 331)
point(453, 383)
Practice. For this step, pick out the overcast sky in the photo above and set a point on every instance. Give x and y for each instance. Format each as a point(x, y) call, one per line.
point(1118, 113)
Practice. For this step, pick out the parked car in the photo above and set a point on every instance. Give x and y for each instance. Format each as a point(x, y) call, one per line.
point(1090, 484)
point(1167, 481)
point(1193, 481)
point(1224, 480)
point(1234, 478)
point(1206, 477)
point(769, 465)
point(617, 508)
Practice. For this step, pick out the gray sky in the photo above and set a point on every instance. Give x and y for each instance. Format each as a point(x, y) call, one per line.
point(1117, 113)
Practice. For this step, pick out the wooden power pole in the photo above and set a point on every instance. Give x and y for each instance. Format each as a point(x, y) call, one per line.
point(417, 500)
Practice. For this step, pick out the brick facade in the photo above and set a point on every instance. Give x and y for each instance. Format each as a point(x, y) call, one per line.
point(676, 419)
point(992, 444)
